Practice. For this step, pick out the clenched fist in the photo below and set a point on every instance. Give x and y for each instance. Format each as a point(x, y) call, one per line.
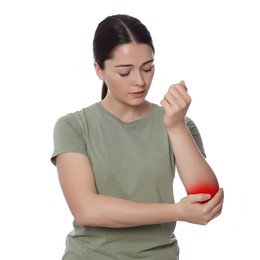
point(175, 103)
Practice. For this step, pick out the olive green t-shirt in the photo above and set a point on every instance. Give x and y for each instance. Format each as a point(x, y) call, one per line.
point(132, 161)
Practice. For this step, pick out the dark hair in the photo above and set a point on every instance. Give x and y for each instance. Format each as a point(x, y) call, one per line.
point(113, 31)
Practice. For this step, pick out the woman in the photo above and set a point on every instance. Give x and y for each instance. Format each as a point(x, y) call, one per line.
point(116, 158)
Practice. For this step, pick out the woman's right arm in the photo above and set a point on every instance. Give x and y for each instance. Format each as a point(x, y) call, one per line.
point(92, 209)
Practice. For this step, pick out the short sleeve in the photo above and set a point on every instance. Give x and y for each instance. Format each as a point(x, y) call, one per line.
point(195, 134)
point(67, 137)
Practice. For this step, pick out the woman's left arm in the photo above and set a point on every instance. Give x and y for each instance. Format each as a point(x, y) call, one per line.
point(194, 171)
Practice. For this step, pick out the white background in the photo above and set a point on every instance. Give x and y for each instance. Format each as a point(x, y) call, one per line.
point(46, 70)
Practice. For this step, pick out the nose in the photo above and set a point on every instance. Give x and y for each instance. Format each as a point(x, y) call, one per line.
point(138, 79)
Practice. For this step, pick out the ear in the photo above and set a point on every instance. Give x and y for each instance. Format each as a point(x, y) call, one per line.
point(99, 71)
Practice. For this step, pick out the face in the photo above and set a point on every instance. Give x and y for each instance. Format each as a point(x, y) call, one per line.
point(128, 75)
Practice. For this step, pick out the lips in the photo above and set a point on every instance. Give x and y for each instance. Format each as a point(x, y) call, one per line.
point(138, 93)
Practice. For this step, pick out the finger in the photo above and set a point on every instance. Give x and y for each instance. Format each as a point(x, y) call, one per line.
point(182, 82)
point(165, 105)
point(219, 196)
point(169, 97)
point(216, 215)
point(201, 197)
point(218, 209)
point(215, 207)
point(180, 93)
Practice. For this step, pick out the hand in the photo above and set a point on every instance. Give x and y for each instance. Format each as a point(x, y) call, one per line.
point(194, 211)
point(175, 103)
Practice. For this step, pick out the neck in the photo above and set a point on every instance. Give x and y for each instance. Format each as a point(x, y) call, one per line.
point(127, 113)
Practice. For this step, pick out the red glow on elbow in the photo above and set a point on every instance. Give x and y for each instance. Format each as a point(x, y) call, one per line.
point(205, 188)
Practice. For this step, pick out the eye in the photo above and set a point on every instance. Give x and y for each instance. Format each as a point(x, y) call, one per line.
point(124, 74)
point(148, 69)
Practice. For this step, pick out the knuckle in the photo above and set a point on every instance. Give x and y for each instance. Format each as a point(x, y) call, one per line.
point(205, 223)
point(206, 220)
point(171, 87)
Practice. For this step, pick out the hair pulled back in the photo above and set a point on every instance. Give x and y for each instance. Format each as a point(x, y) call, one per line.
point(116, 30)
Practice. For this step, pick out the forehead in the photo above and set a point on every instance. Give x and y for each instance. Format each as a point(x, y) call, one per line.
point(132, 53)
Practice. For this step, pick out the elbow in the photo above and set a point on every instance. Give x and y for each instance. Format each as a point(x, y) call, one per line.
point(82, 221)
point(87, 219)
point(204, 187)
point(92, 217)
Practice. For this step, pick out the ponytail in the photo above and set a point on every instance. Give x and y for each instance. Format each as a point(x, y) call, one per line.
point(104, 91)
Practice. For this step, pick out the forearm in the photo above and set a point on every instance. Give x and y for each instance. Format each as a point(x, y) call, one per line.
point(193, 169)
point(107, 211)
point(93, 209)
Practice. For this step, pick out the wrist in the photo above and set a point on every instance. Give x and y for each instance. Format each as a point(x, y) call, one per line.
point(178, 129)
point(178, 212)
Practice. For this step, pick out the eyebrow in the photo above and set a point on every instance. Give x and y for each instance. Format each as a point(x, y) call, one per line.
point(130, 65)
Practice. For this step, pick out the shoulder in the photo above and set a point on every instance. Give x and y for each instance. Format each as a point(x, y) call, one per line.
point(76, 118)
point(191, 124)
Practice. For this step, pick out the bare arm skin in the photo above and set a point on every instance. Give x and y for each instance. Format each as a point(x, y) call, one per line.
point(89, 208)
point(93, 209)
point(194, 171)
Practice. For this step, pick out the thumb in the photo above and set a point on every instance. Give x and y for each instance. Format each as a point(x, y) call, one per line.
point(201, 197)
point(182, 82)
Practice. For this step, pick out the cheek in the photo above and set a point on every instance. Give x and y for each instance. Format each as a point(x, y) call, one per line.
point(149, 78)
point(113, 84)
